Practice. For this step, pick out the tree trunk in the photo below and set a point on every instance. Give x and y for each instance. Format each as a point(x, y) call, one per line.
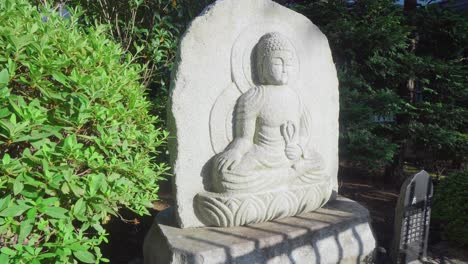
point(394, 173)
point(410, 5)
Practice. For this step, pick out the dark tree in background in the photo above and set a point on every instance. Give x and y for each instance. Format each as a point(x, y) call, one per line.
point(440, 116)
point(403, 84)
point(369, 42)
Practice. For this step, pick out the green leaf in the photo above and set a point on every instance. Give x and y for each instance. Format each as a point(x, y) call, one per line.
point(8, 251)
point(6, 159)
point(46, 255)
point(34, 28)
point(4, 227)
point(61, 78)
point(18, 186)
point(95, 183)
point(85, 256)
point(14, 210)
point(70, 142)
point(99, 228)
point(78, 191)
point(50, 201)
point(4, 112)
point(113, 176)
point(32, 213)
point(17, 104)
point(4, 258)
point(25, 229)
point(13, 119)
point(65, 189)
point(4, 202)
point(80, 208)
point(78, 246)
point(55, 212)
point(4, 77)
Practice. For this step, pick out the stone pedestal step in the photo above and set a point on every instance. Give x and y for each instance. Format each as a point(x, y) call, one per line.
point(339, 232)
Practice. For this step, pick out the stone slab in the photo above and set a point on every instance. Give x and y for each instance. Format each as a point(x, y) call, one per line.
point(412, 220)
point(340, 232)
point(214, 68)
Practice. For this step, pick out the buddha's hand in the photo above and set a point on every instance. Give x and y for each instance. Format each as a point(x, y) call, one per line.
point(315, 159)
point(227, 160)
point(293, 151)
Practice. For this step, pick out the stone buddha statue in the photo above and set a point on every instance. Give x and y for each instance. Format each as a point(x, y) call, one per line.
point(270, 146)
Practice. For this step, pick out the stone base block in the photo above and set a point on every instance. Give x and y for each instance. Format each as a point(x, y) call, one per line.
point(337, 233)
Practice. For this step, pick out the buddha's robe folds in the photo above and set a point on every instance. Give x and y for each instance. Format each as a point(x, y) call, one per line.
point(279, 119)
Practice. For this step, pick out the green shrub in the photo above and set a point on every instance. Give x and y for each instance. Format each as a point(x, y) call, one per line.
point(76, 140)
point(147, 28)
point(451, 207)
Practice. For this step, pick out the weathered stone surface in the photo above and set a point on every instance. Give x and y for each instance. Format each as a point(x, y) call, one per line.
point(218, 87)
point(412, 217)
point(337, 233)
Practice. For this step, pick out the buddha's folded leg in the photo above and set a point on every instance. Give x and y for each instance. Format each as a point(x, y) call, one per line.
point(309, 172)
point(250, 175)
point(262, 180)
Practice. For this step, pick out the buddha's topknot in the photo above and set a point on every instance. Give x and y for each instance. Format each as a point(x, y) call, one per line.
point(271, 42)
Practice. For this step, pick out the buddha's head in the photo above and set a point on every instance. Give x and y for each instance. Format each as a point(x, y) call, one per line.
point(274, 59)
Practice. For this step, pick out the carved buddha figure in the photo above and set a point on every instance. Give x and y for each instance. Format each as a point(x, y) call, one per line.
point(270, 145)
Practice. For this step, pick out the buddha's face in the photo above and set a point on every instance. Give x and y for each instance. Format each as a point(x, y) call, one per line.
point(277, 68)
